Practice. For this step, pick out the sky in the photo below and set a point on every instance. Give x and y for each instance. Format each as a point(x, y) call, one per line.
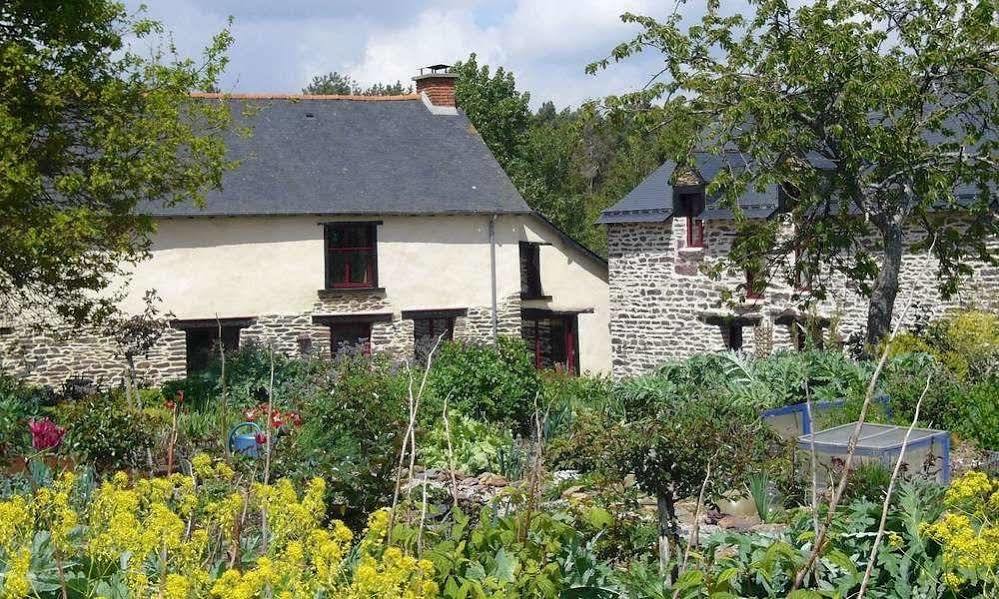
point(281, 44)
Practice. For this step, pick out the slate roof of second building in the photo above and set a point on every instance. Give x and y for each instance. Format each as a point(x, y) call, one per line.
point(652, 199)
point(308, 155)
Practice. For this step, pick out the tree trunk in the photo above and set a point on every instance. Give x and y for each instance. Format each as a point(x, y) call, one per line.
point(882, 303)
point(667, 533)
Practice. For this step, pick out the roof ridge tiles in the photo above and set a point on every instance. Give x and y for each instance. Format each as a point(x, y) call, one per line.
point(279, 96)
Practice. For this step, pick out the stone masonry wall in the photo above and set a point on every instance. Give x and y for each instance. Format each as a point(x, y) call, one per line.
point(51, 357)
point(662, 300)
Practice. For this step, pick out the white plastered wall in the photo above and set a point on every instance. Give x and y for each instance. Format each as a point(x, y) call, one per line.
point(250, 266)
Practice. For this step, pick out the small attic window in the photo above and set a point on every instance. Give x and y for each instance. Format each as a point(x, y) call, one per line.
point(690, 205)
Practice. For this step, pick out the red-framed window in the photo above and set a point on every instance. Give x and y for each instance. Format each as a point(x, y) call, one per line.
point(351, 255)
point(695, 232)
point(555, 342)
point(754, 286)
point(350, 337)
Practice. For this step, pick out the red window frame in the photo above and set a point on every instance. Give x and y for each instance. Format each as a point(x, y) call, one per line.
point(695, 232)
point(367, 250)
point(569, 332)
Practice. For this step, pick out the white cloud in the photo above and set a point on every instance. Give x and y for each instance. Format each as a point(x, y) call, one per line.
point(546, 43)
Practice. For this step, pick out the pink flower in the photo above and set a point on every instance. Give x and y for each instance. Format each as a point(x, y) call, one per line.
point(45, 434)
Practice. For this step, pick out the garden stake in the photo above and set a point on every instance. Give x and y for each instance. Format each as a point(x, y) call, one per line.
point(450, 453)
point(695, 529)
point(267, 454)
point(224, 421)
point(812, 462)
point(410, 434)
point(823, 535)
point(873, 556)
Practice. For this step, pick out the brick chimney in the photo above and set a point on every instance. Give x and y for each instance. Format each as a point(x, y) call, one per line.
point(437, 81)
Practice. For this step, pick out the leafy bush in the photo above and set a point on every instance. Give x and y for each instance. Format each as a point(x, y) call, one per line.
point(966, 343)
point(476, 445)
point(354, 417)
point(496, 384)
point(978, 415)
point(247, 375)
point(105, 432)
point(869, 481)
point(19, 403)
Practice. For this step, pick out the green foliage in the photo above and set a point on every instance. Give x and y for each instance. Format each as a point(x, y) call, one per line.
point(103, 431)
point(759, 489)
point(476, 445)
point(568, 165)
point(496, 384)
point(869, 481)
point(889, 95)
point(510, 556)
point(673, 433)
point(96, 116)
point(335, 83)
point(353, 420)
point(19, 403)
point(978, 415)
point(247, 379)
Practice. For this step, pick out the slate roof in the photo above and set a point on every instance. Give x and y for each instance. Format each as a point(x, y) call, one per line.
point(652, 199)
point(350, 155)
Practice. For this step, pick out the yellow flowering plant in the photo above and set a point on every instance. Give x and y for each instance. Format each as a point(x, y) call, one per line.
point(199, 535)
point(968, 533)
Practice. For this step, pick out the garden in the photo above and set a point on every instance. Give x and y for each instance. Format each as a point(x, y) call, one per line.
point(474, 475)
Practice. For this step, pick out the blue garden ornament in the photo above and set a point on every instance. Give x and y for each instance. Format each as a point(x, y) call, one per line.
point(243, 439)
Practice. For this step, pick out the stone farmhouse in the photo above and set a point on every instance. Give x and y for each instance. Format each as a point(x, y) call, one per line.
point(664, 234)
point(379, 223)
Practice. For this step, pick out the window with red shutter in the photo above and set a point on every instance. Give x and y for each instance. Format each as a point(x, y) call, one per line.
point(351, 256)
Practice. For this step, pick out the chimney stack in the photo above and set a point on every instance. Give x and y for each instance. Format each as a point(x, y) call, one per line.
point(438, 84)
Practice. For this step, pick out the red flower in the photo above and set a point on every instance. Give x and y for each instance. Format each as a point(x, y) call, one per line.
point(169, 404)
point(260, 438)
point(45, 434)
point(250, 414)
point(180, 396)
point(276, 419)
point(296, 418)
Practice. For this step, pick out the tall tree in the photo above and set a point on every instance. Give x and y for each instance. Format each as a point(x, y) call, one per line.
point(337, 84)
point(560, 161)
point(88, 129)
point(491, 101)
point(878, 117)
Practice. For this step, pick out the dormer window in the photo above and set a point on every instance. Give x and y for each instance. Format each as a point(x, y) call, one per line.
point(351, 255)
point(690, 205)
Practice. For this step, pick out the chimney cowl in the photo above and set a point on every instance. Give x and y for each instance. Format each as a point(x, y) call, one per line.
point(437, 85)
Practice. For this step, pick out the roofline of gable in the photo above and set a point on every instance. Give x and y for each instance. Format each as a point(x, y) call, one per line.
point(336, 214)
point(572, 242)
point(297, 97)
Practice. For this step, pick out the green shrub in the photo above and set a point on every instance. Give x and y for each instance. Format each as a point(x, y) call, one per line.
point(868, 481)
point(476, 445)
point(904, 379)
point(103, 431)
point(354, 417)
point(496, 384)
point(247, 375)
point(19, 403)
point(978, 415)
